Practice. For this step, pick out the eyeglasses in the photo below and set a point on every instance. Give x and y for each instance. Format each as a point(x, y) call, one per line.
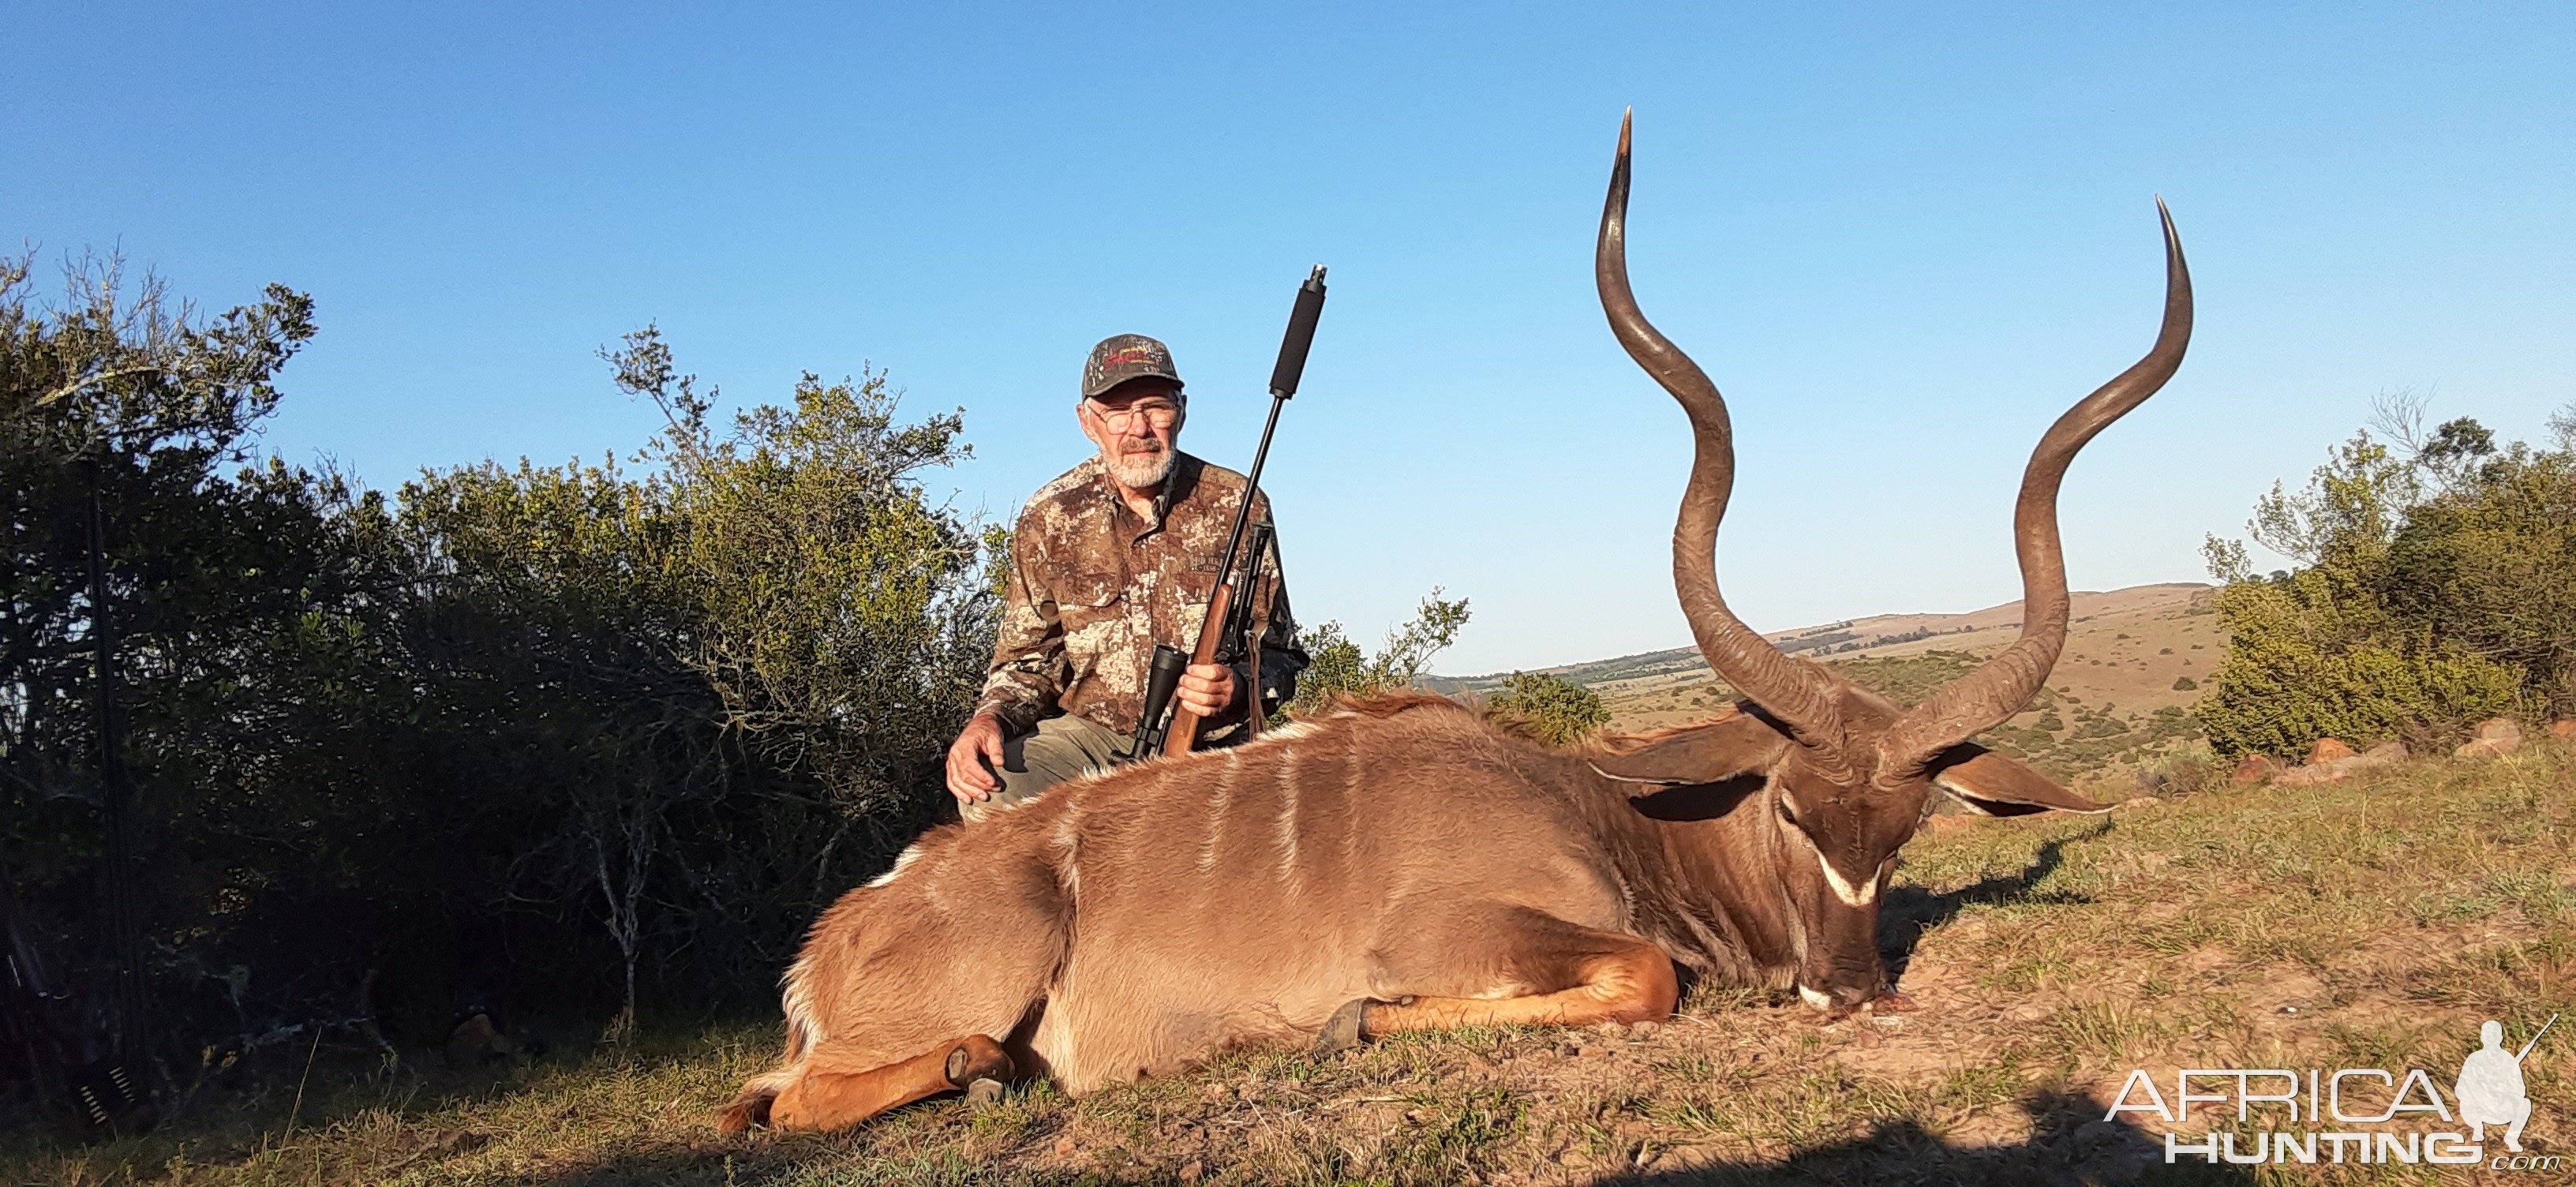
point(1159, 413)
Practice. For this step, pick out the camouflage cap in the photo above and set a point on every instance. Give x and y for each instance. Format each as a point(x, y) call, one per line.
point(1121, 357)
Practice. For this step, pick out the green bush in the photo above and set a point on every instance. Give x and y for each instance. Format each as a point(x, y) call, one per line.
point(2491, 565)
point(844, 619)
point(1551, 708)
point(2294, 673)
point(2434, 587)
point(562, 737)
point(1338, 667)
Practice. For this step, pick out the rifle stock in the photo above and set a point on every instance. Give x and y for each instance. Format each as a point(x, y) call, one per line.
point(1184, 731)
point(1236, 620)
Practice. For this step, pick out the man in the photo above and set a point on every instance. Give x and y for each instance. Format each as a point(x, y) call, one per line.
point(1113, 556)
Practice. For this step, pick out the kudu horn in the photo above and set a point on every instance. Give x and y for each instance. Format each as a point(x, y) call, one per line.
point(1797, 694)
point(1990, 695)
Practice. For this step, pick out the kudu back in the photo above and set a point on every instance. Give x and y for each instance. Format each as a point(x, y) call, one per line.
point(1402, 863)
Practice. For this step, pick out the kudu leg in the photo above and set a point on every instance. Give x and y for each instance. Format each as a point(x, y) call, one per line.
point(1605, 977)
point(1636, 985)
point(823, 1098)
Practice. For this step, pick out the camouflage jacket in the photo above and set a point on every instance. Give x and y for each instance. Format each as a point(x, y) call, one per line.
point(1093, 588)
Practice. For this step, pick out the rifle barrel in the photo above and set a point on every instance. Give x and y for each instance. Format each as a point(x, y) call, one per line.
point(1293, 346)
point(2535, 1039)
point(1300, 336)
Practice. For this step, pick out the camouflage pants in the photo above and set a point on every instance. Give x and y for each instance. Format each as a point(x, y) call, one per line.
point(1061, 748)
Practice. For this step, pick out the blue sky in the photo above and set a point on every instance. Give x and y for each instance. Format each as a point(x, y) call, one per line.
point(1901, 238)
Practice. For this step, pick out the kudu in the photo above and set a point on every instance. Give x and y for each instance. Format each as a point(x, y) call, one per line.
point(1400, 863)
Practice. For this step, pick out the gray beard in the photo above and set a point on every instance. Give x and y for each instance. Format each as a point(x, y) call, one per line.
point(1140, 473)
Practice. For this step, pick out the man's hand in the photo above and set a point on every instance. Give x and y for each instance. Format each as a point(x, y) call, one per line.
point(1206, 689)
point(973, 758)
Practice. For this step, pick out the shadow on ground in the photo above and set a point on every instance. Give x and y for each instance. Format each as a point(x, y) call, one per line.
point(1912, 910)
point(2070, 1144)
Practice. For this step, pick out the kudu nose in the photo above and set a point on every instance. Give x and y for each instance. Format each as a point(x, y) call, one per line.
point(1842, 987)
point(1837, 1000)
point(1877, 994)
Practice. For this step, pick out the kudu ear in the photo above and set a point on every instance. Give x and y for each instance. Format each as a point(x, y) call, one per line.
point(1739, 743)
point(1989, 784)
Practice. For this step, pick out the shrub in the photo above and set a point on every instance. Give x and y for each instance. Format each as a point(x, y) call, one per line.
point(2434, 587)
point(842, 616)
point(2185, 684)
point(1549, 707)
point(2280, 688)
point(2188, 768)
point(1337, 665)
point(559, 736)
point(2491, 564)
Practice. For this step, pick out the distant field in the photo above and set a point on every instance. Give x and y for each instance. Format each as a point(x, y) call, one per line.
point(2111, 699)
point(2367, 924)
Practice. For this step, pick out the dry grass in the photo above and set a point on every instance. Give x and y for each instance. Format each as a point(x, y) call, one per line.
point(2370, 923)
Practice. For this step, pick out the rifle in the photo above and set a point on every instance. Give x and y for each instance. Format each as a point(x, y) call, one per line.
point(1229, 624)
point(1238, 640)
point(2535, 1039)
point(73, 1066)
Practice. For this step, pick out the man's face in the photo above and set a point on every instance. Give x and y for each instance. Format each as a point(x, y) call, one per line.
point(1137, 426)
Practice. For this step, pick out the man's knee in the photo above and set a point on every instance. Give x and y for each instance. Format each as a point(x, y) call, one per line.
point(1032, 763)
point(1059, 750)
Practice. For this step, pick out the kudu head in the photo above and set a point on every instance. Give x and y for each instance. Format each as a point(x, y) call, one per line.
point(1846, 775)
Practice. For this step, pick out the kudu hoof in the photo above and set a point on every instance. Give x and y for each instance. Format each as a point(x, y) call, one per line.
point(982, 1095)
point(743, 1115)
point(1889, 1001)
point(1341, 1031)
point(977, 1058)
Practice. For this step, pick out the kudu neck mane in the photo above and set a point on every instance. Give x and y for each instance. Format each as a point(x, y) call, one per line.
point(1690, 815)
point(1685, 816)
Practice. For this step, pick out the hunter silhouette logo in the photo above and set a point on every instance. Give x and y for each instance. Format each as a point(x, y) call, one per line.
point(2490, 1085)
point(2488, 1091)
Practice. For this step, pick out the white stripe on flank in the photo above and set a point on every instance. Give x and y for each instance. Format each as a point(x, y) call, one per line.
point(1068, 839)
point(905, 858)
point(797, 1003)
point(1216, 817)
point(1287, 815)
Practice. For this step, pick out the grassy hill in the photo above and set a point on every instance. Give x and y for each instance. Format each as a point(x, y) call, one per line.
point(1880, 636)
point(2133, 664)
point(2371, 923)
